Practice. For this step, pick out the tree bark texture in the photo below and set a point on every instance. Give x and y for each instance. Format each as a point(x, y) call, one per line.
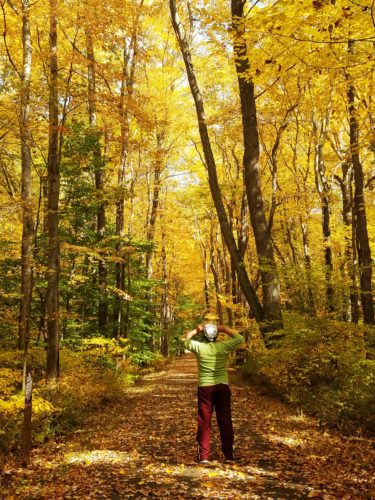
point(238, 263)
point(362, 240)
point(26, 164)
point(263, 242)
point(53, 259)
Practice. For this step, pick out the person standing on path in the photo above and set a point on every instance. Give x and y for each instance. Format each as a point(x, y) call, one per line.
point(213, 388)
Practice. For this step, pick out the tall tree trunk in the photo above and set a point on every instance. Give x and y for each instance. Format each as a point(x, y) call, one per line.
point(346, 192)
point(215, 274)
point(99, 182)
point(205, 264)
point(263, 242)
point(157, 170)
point(27, 215)
point(354, 290)
point(238, 263)
point(165, 313)
point(242, 241)
point(351, 310)
point(302, 190)
point(127, 89)
point(307, 260)
point(360, 222)
point(206, 282)
point(53, 260)
point(324, 190)
point(227, 285)
point(158, 166)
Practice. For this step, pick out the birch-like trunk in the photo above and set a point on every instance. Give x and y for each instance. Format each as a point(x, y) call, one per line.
point(26, 163)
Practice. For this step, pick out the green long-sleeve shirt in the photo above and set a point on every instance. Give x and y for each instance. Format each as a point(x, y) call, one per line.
point(212, 359)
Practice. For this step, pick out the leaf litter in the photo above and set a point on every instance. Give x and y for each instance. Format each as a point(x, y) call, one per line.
point(145, 448)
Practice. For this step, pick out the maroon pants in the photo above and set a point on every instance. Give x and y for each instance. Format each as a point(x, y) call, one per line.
point(218, 397)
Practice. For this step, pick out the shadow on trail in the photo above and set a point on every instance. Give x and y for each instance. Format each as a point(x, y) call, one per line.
point(145, 448)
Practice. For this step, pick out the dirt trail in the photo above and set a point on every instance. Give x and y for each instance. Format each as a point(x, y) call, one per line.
point(145, 448)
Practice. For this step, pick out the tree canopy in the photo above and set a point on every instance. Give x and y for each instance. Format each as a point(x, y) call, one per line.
point(166, 163)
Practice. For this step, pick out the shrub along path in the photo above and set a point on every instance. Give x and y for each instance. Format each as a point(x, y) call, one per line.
point(145, 448)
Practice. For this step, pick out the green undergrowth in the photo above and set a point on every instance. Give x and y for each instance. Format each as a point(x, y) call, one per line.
point(325, 367)
point(91, 378)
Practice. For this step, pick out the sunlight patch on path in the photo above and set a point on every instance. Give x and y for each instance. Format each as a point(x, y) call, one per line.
point(145, 448)
point(287, 440)
point(97, 456)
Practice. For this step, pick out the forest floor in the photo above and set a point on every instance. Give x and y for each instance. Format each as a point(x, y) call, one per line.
point(145, 448)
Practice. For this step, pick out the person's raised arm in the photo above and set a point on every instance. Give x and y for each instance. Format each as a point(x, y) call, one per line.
point(190, 335)
point(228, 331)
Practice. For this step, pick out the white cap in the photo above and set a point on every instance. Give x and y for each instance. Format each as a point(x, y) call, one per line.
point(210, 332)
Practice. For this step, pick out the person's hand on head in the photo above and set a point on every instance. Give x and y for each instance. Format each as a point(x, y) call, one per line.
point(200, 328)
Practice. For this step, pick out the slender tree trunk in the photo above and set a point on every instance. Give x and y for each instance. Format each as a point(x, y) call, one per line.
point(292, 285)
point(360, 222)
point(354, 291)
point(238, 263)
point(205, 265)
point(274, 165)
point(206, 282)
point(351, 310)
point(289, 235)
point(158, 165)
point(347, 264)
point(324, 190)
point(215, 274)
point(26, 162)
point(127, 88)
point(129, 291)
point(263, 242)
point(53, 260)
point(41, 225)
point(227, 286)
point(307, 259)
point(99, 182)
point(328, 261)
point(242, 241)
point(243, 229)
point(165, 313)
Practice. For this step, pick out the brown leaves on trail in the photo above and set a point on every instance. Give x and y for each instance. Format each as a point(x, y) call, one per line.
point(145, 448)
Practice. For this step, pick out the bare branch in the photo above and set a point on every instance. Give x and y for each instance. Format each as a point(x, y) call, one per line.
point(200, 154)
point(6, 42)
